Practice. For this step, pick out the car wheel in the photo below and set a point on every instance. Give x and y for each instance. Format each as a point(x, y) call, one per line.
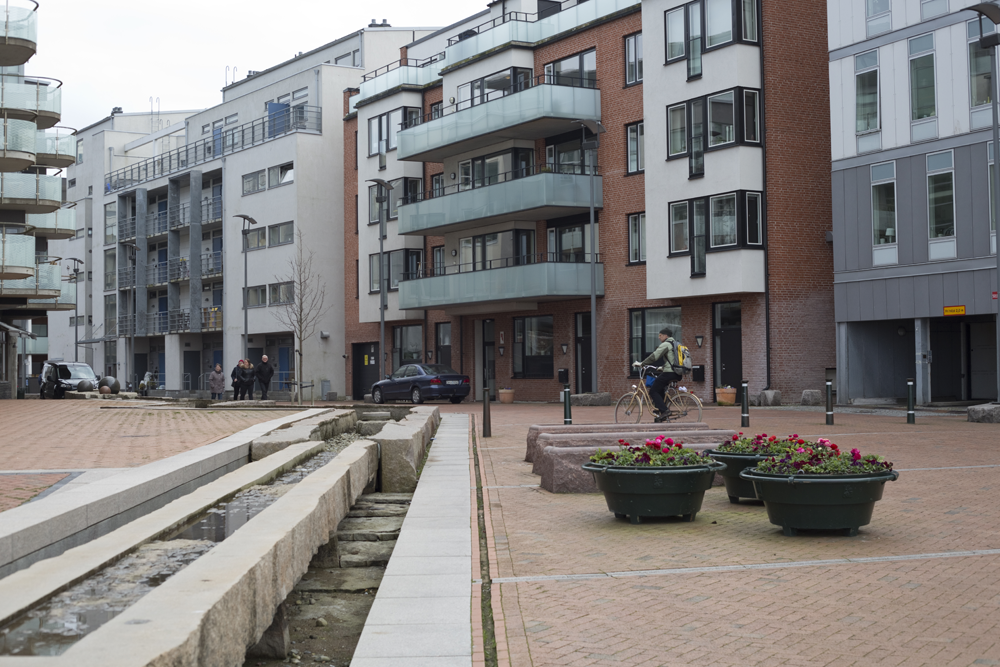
point(415, 395)
point(377, 395)
point(457, 399)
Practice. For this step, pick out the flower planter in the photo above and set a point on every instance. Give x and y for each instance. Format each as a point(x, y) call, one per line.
point(654, 491)
point(819, 502)
point(725, 396)
point(737, 487)
point(506, 395)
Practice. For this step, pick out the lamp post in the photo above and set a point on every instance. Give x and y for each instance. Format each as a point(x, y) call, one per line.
point(991, 10)
point(247, 221)
point(130, 317)
point(76, 306)
point(596, 129)
point(382, 284)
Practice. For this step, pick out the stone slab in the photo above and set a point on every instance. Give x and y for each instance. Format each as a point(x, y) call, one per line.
point(419, 611)
point(769, 397)
point(812, 397)
point(413, 641)
point(603, 398)
point(988, 413)
point(369, 529)
point(537, 429)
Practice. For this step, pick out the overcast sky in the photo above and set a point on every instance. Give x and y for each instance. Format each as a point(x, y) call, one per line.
point(112, 53)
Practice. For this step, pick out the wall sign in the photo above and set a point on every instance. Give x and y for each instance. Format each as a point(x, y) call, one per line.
point(954, 310)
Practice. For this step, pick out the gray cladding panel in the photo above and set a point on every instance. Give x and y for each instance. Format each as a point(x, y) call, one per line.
point(853, 302)
point(840, 221)
point(963, 203)
point(920, 286)
point(879, 300)
point(935, 296)
point(862, 253)
point(950, 289)
point(840, 302)
point(907, 306)
point(904, 213)
point(985, 285)
point(979, 193)
point(918, 227)
point(866, 300)
point(880, 359)
point(892, 309)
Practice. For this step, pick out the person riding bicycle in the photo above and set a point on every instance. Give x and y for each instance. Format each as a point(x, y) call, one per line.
point(666, 356)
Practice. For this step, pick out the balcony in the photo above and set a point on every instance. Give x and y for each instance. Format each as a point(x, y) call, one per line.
point(126, 325)
point(541, 192)
point(66, 300)
point(211, 319)
point(56, 147)
point(179, 269)
point(157, 223)
point(60, 224)
point(211, 264)
point(407, 71)
point(544, 108)
point(17, 256)
point(44, 284)
point(127, 229)
point(223, 142)
point(35, 99)
point(18, 137)
point(20, 33)
point(31, 193)
point(158, 323)
point(126, 278)
point(179, 320)
point(511, 283)
point(158, 273)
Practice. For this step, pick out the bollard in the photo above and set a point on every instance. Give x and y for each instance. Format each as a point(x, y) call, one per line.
point(829, 402)
point(487, 430)
point(745, 401)
point(567, 411)
point(911, 416)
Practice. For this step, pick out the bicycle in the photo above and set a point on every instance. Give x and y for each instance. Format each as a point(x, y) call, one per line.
point(681, 405)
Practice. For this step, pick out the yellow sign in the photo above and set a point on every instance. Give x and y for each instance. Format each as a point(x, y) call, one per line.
point(954, 310)
point(366, 360)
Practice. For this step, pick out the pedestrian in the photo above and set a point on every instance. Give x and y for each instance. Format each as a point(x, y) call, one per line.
point(217, 382)
point(248, 379)
point(264, 374)
point(147, 383)
point(237, 378)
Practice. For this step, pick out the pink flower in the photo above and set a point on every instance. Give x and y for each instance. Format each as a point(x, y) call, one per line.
point(670, 441)
point(856, 454)
point(800, 450)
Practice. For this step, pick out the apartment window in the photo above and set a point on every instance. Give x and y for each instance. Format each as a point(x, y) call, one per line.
point(282, 293)
point(281, 175)
point(755, 228)
point(728, 123)
point(206, 129)
point(637, 238)
point(941, 194)
point(405, 190)
point(636, 149)
point(345, 60)
point(404, 265)
point(232, 119)
point(497, 168)
point(71, 183)
point(866, 87)
point(437, 185)
point(979, 65)
point(696, 161)
point(679, 227)
point(694, 40)
point(436, 109)
point(110, 223)
point(282, 234)
point(255, 239)
point(883, 203)
point(699, 237)
point(633, 59)
point(443, 340)
point(931, 8)
point(718, 22)
point(751, 116)
point(677, 130)
point(496, 85)
point(111, 356)
point(90, 190)
point(708, 24)
point(255, 182)
point(578, 70)
point(79, 151)
point(878, 16)
point(256, 296)
point(922, 98)
point(749, 10)
point(407, 345)
point(723, 220)
point(674, 21)
point(374, 274)
point(383, 129)
point(300, 94)
point(645, 326)
point(437, 255)
point(110, 269)
point(285, 99)
point(533, 347)
point(720, 222)
point(571, 243)
point(721, 119)
point(374, 210)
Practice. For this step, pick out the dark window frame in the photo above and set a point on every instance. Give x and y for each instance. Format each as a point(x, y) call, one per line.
point(534, 373)
point(642, 240)
point(739, 125)
point(638, 81)
point(742, 222)
point(640, 148)
point(632, 338)
point(737, 31)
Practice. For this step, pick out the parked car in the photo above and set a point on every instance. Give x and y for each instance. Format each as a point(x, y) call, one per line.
point(422, 382)
point(59, 376)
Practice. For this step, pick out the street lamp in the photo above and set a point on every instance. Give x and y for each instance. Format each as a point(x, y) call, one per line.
point(596, 129)
point(247, 221)
point(382, 284)
point(76, 305)
point(991, 10)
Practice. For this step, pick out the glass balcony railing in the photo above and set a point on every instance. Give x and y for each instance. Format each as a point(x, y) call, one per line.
point(34, 193)
point(17, 256)
point(526, 278)
point(540, 192)
point(19, 136)
point(20, 24)
point(31, 98)
point(66, 300)
point(59, 224)
point(43, 285)
point(405, 71)
point(55, 147)
point(546, 106)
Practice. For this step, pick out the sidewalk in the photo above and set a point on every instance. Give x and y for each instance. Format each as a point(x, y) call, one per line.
point(574, 586)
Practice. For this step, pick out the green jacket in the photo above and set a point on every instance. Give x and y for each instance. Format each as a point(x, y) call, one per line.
point(664, 354)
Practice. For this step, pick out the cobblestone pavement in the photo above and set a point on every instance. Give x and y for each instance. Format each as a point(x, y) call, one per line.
point(53, 438)
point(918, 586)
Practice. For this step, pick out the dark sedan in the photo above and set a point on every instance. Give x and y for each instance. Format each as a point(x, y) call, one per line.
point(422, 382)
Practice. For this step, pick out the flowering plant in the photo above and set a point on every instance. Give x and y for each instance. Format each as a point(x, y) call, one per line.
point(660, 451)
point(824, 458)
point(762, 444)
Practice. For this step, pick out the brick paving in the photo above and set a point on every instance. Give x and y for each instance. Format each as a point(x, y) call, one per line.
point(902, 606)
point(17, 489)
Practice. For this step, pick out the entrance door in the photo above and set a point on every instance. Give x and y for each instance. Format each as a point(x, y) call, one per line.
point(286, 368)
point(141, 366)
point(443, 338)
point(489, 358)
point(161, 370)
point(728, 346)
point(217, 359)
point(982, 360)
point(161, 265)
point(161, 315)
point(364, 369)
point(584, 378)
point(192, 370)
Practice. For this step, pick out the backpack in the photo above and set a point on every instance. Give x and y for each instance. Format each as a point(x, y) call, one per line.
point(684, 361)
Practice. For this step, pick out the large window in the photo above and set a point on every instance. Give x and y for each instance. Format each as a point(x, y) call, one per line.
point(707, 24)
point(922, 97)
point(633, 59)
point(571, 243)
point(110, 274)
point(637, 238)
point(941, 194)
point(679, 227)
point(497, 168)
point(644, 327)
point(718, 22)
point(677, 130)
point(382, 129)
point(721, 119)
point(255, 182)
point(883, 203)
point(578, 70)
point(256, 296)
point(636, 148)
point(374, 192)
point(282, 293)
point(374, 274)
point(878, 16)
point(407, 345)
point(255, 239)
point(110, 223)
point(497, 250)
point(494, 86)
point(866, 87)
point(979, 65)
point(674, 21)
point(533, 347)
point(723, 220)
point(403, 265)
point(932, 8)
point(717, 223)
point(282, 234)
point(728, 123)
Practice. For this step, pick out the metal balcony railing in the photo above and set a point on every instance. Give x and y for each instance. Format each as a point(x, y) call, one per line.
point(179, 269)
point(211, 264)
point(157, 273)
point(126, 325)
point(502, 263)
point(403, 62)
point(126, 277)
point(157, 222)
point(157, 323)
point(211, 318)
point(180, 320)
point(110, 328)
point(483, 181)
point(127, 229)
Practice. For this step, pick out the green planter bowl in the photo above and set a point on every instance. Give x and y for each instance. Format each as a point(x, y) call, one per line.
point(647, 491)
point(819, 502)
point(736, 486)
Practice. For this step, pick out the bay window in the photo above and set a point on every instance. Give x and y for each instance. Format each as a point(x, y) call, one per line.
point(729, 123)
point(718, 22)
point(715, 224)
point(723, 220)
point(704, 25)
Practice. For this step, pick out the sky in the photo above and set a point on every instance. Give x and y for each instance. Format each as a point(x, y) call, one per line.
point(120, 53)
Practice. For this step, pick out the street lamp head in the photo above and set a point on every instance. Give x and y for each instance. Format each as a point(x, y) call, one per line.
point(990, 10)
point(594, 126)
point(383, 183)
point(245, 218)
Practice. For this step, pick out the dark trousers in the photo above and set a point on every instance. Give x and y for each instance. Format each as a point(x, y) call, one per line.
point(659, 388)
point(264, 387)
point(246, 391)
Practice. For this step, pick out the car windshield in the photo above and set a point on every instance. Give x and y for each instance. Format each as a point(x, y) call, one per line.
point(439, 369)
point(76, 373)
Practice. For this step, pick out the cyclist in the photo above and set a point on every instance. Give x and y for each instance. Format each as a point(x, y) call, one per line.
point(666, 357)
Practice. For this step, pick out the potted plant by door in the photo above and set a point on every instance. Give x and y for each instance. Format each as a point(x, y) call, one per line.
point(820, 488)
point(725, 395)
point(741, 453)
point(658, 478)
point(506, 395)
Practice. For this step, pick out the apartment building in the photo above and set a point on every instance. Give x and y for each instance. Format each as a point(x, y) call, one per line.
point(712, 209)
point(175, 285)
point(914, 245)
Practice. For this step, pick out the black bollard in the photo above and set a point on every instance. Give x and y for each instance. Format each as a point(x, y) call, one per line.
point(567, 412)
point(487, 430)
point(829, 402)
point(745, 401)
point(911, 398)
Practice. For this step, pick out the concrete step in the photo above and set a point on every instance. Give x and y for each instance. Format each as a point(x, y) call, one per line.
point(382, 509)
point(385, 498)
point(365, 554)
point(369, 529)
point(339, 580)
point(373, 415)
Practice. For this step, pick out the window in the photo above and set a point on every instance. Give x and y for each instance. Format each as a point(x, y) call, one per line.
point(494, 86)
point(437, 185)
point(383, 129)
point(729, 123)
point(571, 243)
point(111, 356)
point(90, 190)
point(718, 22)
point(533, 347)
point(231, 119)
point(407, 346)
point(79, 151)
point(443, 343)
point(206, 129)
point(404, 265)
point(404, 190)
point(255, 239)
point(755, 230)
point(694, 40)
point(437, 254)
point(636, 148)
point(677, 130)
point(282, 234)
point(282, 293)
point(883, 203)
point(436, 109)
point(992, 176)
point(723, 220)
point(866, 87)
point(374, 193)
point(878, 16)
point(497, 168)
point(375, 276)
point(941, 194)
point(675, 33)
point(110, 223)
point(282, 175)
point(345, 60)
point(644, 327)
point(749, 9)
point(633, 59)
point(300, 94)
point(932, 8)
point(256, 296)
point(255, 182)
point(979, 65)
point(110, 273)
point(637, 238)
point(285, 99)
point(679, 227)
point(110, 312)
point(751, 113)
point(579, 70)
point(696, 162)
point(721, 119)
point(71, 183)
point(922, 99)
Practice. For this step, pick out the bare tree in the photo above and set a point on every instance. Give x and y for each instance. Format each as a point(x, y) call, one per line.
point(302, 312)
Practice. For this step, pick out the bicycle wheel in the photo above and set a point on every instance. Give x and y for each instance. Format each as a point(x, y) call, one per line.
point(629, 409)
point(685, 408)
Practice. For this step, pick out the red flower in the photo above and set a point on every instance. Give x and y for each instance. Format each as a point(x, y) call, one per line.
point(670, 441)
point(735, 438)
point(856, 454)
point(801, 441)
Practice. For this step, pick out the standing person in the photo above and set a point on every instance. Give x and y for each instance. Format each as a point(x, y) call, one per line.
point(666, 357)
point(264, 374)
point(248, 379)
point(217, 382)
point(237, 377)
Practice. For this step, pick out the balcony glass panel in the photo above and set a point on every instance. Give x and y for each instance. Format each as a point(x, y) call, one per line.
point(21, 22)
point(31, 94)
point(60, 223)
point(19, 135)
point(46, 279)
point(16, 250)
point(30, 186)
point(405, 72)
point(57, 141)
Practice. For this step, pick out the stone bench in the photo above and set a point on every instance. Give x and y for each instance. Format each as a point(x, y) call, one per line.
point(534, 431)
